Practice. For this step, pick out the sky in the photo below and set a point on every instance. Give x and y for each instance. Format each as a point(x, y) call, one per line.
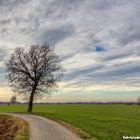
point(97, 40)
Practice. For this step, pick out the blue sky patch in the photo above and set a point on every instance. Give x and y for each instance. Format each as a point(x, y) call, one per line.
point(99, 48)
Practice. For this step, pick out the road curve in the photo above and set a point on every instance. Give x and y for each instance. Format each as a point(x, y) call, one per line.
point(41, 128)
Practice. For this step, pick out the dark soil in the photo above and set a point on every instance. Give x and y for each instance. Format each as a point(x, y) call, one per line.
point(8, 128)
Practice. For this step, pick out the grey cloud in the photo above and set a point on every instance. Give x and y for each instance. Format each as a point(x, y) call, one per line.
point(56, 9)
point(3, 53)
point(68, 56)
point(65, 57)
point(115, 56)
point(101, 74)
point(3, 81)
point(127, 69)
point(82, 72)
point(2, 70)
point(129, 36)
point(63, 7)
point(120, 74)
point(56, 34)
point(5, 21)
point(11, 2)
point(106, 4)
point(130, 29)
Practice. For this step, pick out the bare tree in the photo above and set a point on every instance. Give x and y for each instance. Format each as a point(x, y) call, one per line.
point(138, 100)
point(13, 99)
point(34, 72)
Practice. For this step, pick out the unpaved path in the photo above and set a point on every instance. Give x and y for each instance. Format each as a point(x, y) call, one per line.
point(41, 128)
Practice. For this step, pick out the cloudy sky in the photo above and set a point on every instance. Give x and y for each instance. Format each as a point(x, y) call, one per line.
point(97, 40)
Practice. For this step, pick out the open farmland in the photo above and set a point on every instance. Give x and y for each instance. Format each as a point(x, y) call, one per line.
point(104, 122)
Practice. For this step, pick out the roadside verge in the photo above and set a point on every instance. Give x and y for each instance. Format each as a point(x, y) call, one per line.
point(13, 128)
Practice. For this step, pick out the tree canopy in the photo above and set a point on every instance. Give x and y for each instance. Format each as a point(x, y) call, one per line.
point(34, 72)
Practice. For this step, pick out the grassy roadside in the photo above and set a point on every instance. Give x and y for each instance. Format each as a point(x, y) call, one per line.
point(13, 128)
point(23, 133)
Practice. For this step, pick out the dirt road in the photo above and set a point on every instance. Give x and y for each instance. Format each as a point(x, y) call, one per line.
point(44, 129)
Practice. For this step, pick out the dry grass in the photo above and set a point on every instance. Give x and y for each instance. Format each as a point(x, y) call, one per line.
point(13, 128)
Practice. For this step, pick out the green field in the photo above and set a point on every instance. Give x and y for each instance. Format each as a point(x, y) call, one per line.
point(105, 122)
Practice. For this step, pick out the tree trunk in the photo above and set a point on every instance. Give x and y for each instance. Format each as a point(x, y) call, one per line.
point(30, 106)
